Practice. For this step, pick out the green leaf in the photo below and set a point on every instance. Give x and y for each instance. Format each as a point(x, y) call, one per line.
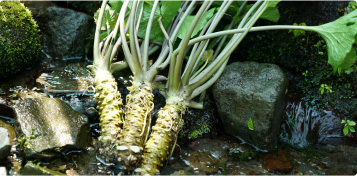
point(116, 5)
point(351, 123)
point(271, 14)
point(103, 35)
point(167, 10)
point(343, 121)
point(349, 71)
point(250, 124)
point(272, 3)
point(339, 36)
point(203, 21)
point(351, 129)
point(345, 130)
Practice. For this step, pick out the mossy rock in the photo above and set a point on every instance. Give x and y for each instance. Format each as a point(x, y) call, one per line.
point(19, 38)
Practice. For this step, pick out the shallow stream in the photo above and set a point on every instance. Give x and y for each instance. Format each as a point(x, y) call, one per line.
point(311, 141)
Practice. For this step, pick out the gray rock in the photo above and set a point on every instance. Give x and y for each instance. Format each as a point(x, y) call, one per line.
point(7, 138)
point(32, 169)
point(252, 90)
point(3, 171)
point(5, 145)
point(46, 124)
point(64, 32)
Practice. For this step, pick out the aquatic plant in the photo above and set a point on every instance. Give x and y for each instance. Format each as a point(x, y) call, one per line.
point(181, 35)
point(182, 88)
point(107, 95)
point(20, 42)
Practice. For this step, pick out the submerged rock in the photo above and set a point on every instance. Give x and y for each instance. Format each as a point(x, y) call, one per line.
point(32, 169)
point(249, 90)
point(47, 124)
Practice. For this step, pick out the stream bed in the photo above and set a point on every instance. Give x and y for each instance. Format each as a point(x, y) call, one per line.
point(309, 143)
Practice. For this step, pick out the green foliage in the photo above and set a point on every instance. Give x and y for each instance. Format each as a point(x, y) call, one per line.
point(340, 36)
point(19, 39)
point(23, 141)
point(297, 33)
point(250, 124)
point(196, 133)
point(348, 126)
point(203, 21)
point(326, 87)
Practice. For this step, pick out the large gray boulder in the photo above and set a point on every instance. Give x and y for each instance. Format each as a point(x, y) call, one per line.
point(64, 31)
point(252, 90)
point(47, 125)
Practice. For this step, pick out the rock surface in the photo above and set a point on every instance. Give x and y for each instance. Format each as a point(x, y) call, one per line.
point(49, 123)
point(252, 90)
point(32, 169)
point(3, 171)
point(64, 31)
point(7, 138)
point(5, 145)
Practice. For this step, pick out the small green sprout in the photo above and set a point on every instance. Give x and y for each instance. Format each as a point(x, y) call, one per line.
point(326, 87)
point(348, 126)
point(250, 124)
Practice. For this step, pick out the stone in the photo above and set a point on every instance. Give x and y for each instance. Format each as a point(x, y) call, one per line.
point(5, 145)
point(7, 139)
point(277, 163)
point(47, 124)
point(3, 171)
point(250, 90)
point(64, 31)
point(32, 169)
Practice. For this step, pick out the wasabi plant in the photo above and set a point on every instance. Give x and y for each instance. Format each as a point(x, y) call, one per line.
point(196, 50)
point(184, 85)
point(106, 89)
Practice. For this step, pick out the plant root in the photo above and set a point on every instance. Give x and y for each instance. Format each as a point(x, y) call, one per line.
point(139, 104)
point(110, 111)
point(162, 139)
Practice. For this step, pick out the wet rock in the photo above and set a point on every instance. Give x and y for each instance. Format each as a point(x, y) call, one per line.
point(5, 145)
point(202, 162)
point(46, 124)
point(6, 110)
point(74, 78)
point(64, 31)
point(7, 138)
point(279, 163)
point(252, 90)
point(3, 171)
point(32, 169)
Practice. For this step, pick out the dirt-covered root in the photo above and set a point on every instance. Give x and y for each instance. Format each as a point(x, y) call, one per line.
point(162, 139)
point(110, 111)
point(139, 104)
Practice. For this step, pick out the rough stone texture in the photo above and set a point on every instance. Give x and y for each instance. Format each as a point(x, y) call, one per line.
point(252, 90)
point(64, 31)
point(32, 169)
point(3, 171)
point(49, 123)
point(7, 138)
point(5, 145)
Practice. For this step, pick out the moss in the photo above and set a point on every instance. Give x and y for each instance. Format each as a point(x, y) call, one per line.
point(196, 133)
point(19, 38)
